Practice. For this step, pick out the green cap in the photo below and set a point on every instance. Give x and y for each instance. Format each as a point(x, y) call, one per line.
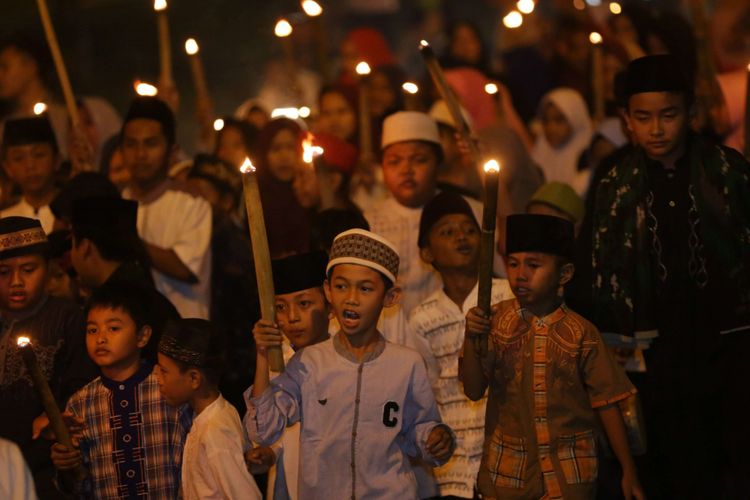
point(562, 197)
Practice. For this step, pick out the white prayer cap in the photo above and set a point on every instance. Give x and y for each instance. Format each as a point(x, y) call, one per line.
point(441, 114)
point(409, 126)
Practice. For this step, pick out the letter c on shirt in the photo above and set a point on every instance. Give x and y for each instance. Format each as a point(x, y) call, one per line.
point(388, 419)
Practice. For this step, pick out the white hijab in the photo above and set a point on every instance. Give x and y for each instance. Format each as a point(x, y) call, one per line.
point(561, 164)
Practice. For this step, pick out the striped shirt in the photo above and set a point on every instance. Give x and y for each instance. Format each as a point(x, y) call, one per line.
point(132, 441)
point(438, 326)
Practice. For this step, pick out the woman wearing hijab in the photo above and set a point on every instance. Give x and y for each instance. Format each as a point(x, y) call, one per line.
point(566, 134)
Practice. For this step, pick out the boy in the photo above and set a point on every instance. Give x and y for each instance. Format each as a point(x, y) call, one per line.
point(127, 436)
point(357, 381)
point(191, 360)
point(54, 326)
point(175, 226)
point(411, 153)
point(449, 241)
point(302, 315)
point(550, 376)
point(669, 264)
point(106, 251)
point(30, 159)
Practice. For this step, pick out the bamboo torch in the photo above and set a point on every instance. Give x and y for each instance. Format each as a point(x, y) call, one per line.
point(436, 72)
point(411, 100)
point(165, 50)
point(365, 123)
point(313, 155)
point(261, 255)
point(487, 246)
point(48, 400)
point(62, 72)
point(314, 10)
point(597, 75)
point(196, 68)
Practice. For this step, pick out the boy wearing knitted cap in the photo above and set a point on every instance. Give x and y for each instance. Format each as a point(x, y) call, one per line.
point(449, 241)
point(365, 404)
point(191, 361)
point(551, 378)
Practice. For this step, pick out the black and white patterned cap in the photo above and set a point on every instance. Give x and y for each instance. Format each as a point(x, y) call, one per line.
point(364, 248)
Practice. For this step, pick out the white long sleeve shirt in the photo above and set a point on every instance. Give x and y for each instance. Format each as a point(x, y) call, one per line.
point(213, 462)
point(360, 421)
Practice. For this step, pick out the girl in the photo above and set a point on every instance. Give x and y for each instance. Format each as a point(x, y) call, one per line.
point(566, 134)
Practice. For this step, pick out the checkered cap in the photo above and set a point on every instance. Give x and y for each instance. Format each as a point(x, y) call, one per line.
point(364, 248)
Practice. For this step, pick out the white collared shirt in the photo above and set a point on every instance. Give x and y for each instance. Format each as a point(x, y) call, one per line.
point(213, 463)
point(22, 209)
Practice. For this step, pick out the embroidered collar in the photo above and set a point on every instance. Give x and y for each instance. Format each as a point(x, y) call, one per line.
point(143, 372)
point(547, 320)
point(370, 356)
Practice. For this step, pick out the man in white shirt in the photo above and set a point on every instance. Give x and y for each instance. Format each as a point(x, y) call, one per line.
point(16, 482)
point(175, 226)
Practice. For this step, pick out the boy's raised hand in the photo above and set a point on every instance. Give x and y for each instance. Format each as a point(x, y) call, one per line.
point(440, 443)
point(266, 334)
point(64, 458)
point(477, 322)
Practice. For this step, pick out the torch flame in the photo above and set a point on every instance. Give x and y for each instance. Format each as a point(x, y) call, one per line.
point(525, 6)
point(160, 5)
point(595, 38)
point(304, 112)
point(282, 28)
point(309, 150)
point(312, 8)
point(513, 19)
point(424, 43)
point(491, 88)
point(247, 166)
point(218, 124)
point(23, 341)
point(492, 166)
point(410, 87)
point(363, 68)
point(39, 108)
point(145, 89)
point(191, 46)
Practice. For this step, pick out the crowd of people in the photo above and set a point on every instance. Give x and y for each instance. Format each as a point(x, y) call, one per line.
point(611, 363)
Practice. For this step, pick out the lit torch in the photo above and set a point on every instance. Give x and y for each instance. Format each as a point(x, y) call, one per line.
point(597, 76)
point(145, 89)
point(48, 400)
point(487, 245)
point(261, 255)
point(165, 50)
point(365, 130)
point(411, 99)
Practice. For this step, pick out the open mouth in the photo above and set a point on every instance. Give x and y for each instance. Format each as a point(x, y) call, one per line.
point(350, 318)
point(464, 250)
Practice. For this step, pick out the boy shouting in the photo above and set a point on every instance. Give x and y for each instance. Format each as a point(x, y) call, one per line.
point(365, 404)
point(550, 377)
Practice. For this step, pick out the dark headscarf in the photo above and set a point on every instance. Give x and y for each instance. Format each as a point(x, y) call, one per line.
point(287, 223)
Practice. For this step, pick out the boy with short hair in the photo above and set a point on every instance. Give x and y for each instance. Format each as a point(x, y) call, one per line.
point(30, 159)
point(127, 436)
point(191, 360)
point(411, 153)
point(550, 375)
point(365, 404)
point(54, 326)
point(448, 239)
point(302, 315)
